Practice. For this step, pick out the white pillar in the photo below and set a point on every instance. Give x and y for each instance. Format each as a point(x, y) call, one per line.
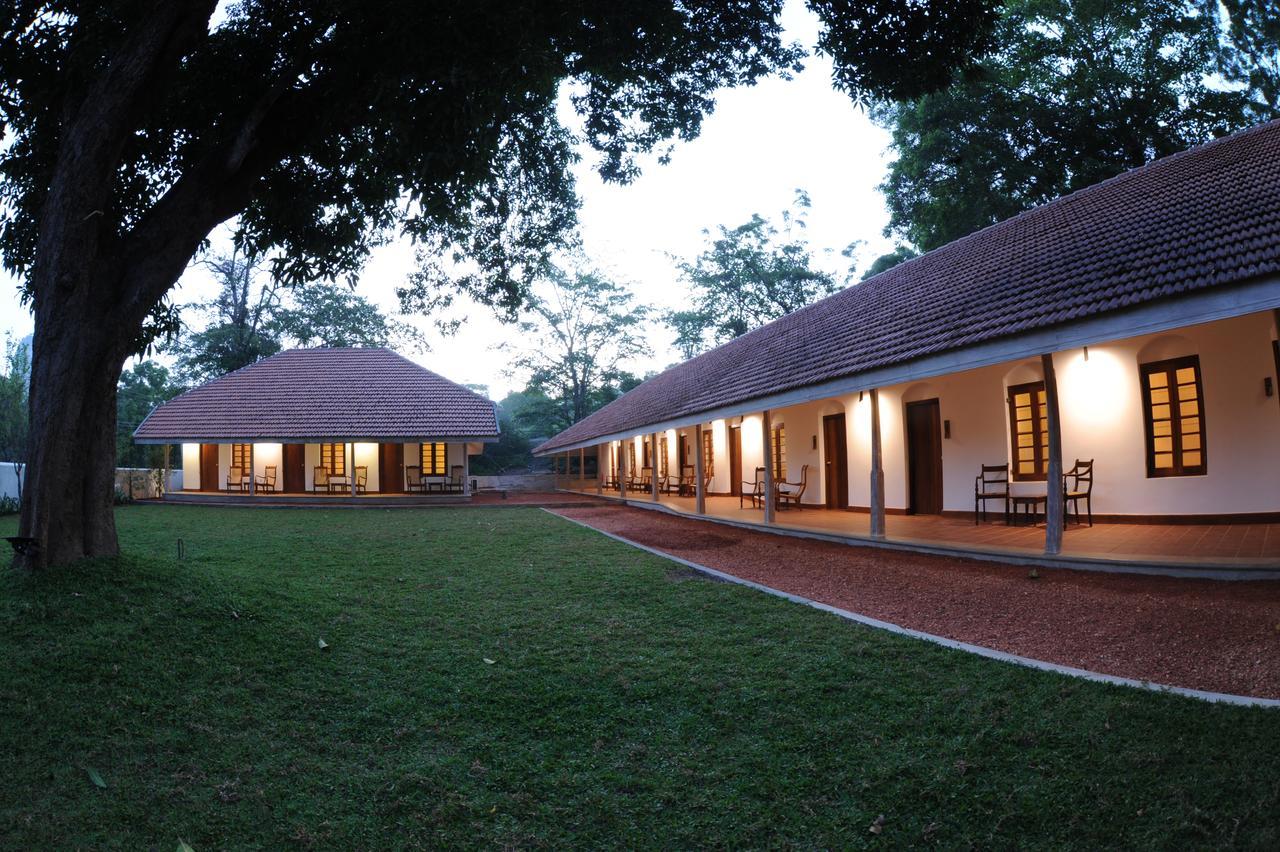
point(351, 469)
point(466, 471)
point(699, 491)
point(602, 465)
point(877, 470)
point(1053, 509)
point(252, 478)
point(622, 468)
point(766, 434)
point(582, 467)
point(653, 465)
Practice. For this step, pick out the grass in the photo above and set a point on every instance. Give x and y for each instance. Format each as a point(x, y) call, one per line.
point(499, 677)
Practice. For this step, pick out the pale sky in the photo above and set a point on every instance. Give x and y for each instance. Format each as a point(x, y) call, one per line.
point(757, 148)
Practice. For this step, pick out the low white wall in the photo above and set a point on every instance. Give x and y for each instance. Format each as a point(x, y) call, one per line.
point(143, 480)
point(516, 482)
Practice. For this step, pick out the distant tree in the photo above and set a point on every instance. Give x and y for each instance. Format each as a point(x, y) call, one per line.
point(14, 389)
point(253, 317)
point(745, 277)
point(1074, 92)
point(1250, 55)
point(326, 314)
point(141, 389)
point(241, 328)
point(511, 452)
point(889, 260)
point(582, 329)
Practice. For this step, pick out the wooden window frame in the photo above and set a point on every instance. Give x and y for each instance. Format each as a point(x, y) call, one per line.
point(427, 458)
point(1040, 451)
point(241, 456)
point(336, 462)
point(646, 454)
point(1171, 366)
point(779, 438)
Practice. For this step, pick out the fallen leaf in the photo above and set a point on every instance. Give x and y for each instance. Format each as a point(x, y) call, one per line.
point(878, 825)
point(489, 661)
point(324, 646)
point(95, 777)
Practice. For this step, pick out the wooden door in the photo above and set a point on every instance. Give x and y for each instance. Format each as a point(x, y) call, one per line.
point(391, 468)
point(924, 457)
point(735, 460)
point(209, 480)
point(835, 462)
point(294, 461)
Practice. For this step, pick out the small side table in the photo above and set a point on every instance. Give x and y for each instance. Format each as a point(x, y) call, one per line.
point(1030, 504)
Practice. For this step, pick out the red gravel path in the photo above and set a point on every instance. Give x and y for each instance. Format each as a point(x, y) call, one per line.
point(1215, 635)
point(532, 498)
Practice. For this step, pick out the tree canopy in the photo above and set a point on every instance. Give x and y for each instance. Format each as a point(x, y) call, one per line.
point(1073, 92)
point(581, 332)
point(746, 276)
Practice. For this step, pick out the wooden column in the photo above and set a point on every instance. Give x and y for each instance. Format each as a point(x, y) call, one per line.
point(877, 469)
point(252, 479)
point(653, 465)
point(622, 468)
point(1053, 510)
point(699, 491)
point(766, 435)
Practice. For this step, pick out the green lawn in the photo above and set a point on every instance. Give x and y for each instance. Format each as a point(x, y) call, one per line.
point(502, 677)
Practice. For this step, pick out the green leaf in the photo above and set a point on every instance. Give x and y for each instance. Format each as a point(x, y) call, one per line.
point(95, 777)
point(183, 846)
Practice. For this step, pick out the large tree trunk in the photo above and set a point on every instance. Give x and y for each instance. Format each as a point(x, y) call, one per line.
point(78, 354)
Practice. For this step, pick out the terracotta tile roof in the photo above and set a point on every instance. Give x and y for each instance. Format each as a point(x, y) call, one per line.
point(1203, 218)
point(338, 393)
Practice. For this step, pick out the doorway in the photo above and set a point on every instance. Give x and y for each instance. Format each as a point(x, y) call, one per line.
point(293, 459)
point(735, 461)
point(835, 464)
point(209, 480)
point(391, 468)
point(924, 457)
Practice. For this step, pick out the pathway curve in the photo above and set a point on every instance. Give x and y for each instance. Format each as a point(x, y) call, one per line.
point(1220, 636)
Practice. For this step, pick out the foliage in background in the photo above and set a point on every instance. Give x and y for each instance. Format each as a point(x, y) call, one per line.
point(253, 317)
point(141, 389)
point(745, 277)
point(581, 331)
point(14, 423)
point(1075, 91)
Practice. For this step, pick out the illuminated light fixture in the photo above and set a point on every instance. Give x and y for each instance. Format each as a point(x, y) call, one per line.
point(1086, 353)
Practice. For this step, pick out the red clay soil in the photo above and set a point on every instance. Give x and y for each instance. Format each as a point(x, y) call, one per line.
point(532, 498)
point(1216, 635)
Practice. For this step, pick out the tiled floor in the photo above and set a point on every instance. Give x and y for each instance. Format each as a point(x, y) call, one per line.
point(1254, 544)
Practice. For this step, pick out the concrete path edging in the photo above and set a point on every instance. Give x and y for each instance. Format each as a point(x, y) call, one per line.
point(979, 650)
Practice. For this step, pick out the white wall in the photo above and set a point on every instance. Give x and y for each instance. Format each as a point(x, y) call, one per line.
point(1100, 404)
point(191, 466)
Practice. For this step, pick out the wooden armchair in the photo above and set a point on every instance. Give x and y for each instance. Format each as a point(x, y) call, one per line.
point(237, 479)
point(267, 480)
point(790, 493)
point(991, 484)
point(413, 481)
point(753, 491)
point(362, 479)
point(1082, 473)
point(454, 484)
point(319, 478)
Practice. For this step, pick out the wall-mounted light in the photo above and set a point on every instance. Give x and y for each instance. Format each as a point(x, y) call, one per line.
point(1268, 386)
point(946, 429)
point(1086, 353)
point(815, 442)
point(860, 393)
